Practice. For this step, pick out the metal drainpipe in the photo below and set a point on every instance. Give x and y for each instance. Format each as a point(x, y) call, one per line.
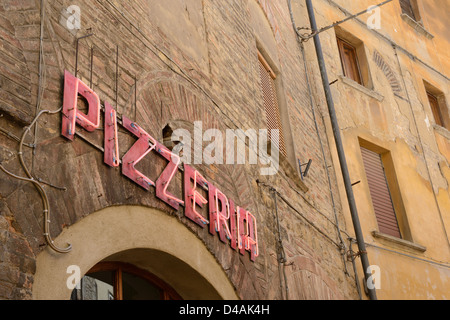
point(340, 149)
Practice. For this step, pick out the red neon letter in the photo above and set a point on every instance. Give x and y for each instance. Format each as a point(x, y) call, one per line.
point(71, 115)
point(111, 140)
point(219, 216)
point(166, 176)
point(138, 151)
point(247, 233)
point(192, 197)
point(233, 228)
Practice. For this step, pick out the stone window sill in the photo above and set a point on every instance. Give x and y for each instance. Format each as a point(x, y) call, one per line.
point(292, 173)
point(442, 131)
point(416, 26)
point(402, 242)
point(361, 88)
point(289, 170)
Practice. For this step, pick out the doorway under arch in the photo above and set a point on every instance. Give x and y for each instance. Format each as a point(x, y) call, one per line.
point(111, 280)
point(144, 238)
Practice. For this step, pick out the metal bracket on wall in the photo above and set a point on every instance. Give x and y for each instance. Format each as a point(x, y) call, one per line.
point(357, 182)
point(77, 49)
point(304, 173)
point(306, 37)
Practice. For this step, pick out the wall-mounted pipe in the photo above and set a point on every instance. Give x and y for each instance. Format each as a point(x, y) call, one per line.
point(340, 148)
point(311, 101)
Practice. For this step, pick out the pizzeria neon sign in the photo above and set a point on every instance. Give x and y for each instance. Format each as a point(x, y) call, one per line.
point(234, 225)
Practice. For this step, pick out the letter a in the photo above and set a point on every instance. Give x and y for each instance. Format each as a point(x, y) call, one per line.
point(374, 21)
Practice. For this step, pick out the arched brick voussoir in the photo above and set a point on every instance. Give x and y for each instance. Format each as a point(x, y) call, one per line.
point(164, 96)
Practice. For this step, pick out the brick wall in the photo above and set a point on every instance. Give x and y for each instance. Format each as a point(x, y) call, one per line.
point(218, 87)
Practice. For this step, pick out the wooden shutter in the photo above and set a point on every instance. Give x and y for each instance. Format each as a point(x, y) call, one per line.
point(380, 194)
point(407, 8)
point(349, 61)
point(271, 103)
point(436, 110)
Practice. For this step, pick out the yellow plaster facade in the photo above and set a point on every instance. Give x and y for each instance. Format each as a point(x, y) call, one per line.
point(390, 114)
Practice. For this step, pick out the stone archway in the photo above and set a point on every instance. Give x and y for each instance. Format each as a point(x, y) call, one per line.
point(143, 236)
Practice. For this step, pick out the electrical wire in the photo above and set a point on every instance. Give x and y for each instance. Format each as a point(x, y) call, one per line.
point(420, 140)
point(432, 261)
point(41, 190)
point(173, 65)
point(350, 253)
point(42, 73)
point(38, 185)
point(289, 204)
point(390, 41)
point(12, 136)
point(353, 16)
point(336, 223)
point(38, 182)
point(281, 258)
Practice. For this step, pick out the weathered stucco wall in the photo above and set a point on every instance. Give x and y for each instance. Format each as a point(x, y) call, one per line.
point(392, 113)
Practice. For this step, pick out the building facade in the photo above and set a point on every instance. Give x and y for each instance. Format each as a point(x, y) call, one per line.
point(183, 150)
point(390, 66)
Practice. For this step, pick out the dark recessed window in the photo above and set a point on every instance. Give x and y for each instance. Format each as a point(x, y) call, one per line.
point(410, 8)
point(121, 281)
point(438, 105)
point(434, 104)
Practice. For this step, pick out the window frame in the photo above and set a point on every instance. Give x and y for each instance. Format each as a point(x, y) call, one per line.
point(411, 13)
point(390, 172)
point(438, 105)
point(282, 145)
point(358, 78)
point(411, 9)
point(380, 193)
point(166, 291)
point(435, 109)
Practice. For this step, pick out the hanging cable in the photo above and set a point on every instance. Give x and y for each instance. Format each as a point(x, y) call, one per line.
point(302, 49)
point(351, 256)
point(300, 214)
point(38, 185)
point(420, 138)
point(340, 148)
point(169, 62)
point(38, 182)
point(41, 73)
point(40, 189)
point(351, 17)
point(281, 254)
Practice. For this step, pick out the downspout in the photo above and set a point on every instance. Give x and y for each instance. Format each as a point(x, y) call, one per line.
point(340, 150)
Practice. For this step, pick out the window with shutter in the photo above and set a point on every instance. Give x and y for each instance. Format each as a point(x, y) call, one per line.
point(349, 60)
point(271, 107)
point(380, 193)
